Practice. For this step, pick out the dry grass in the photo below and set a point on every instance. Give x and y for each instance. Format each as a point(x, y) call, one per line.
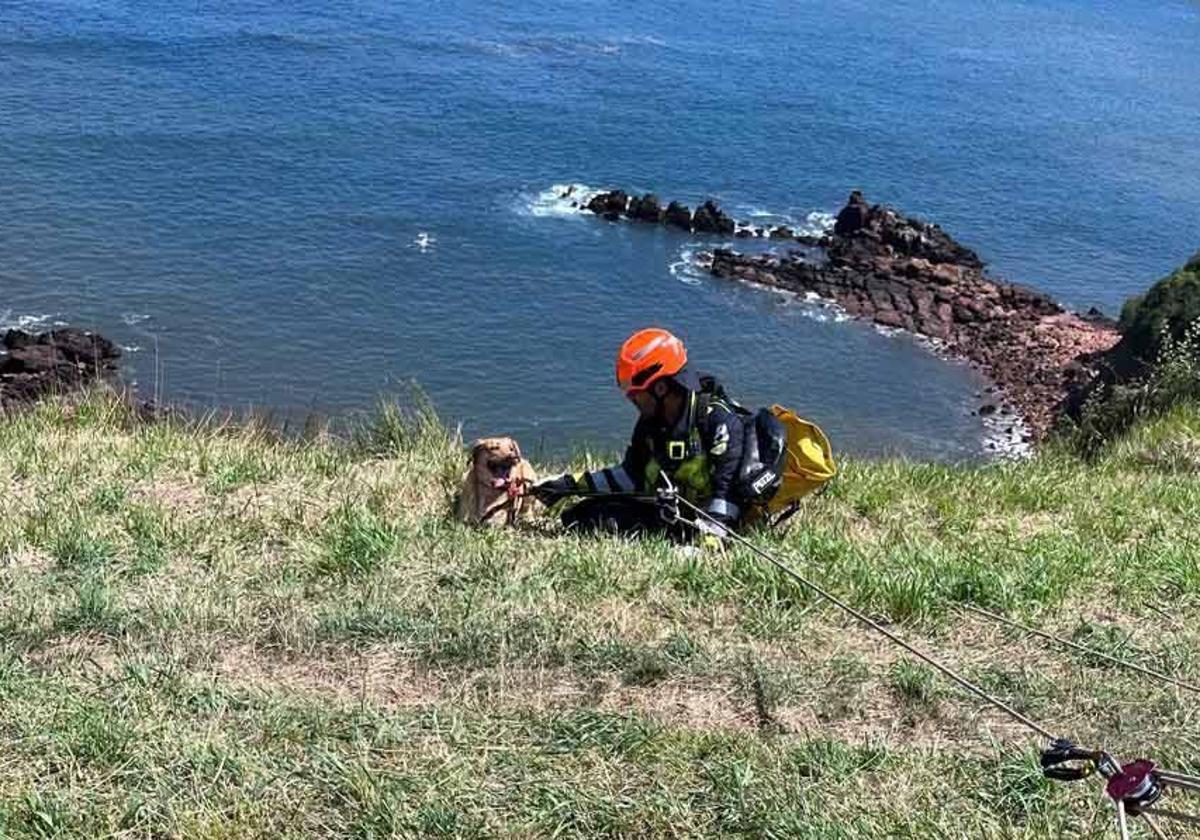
point(212, 632)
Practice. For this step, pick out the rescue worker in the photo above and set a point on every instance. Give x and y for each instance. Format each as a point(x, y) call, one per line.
point(686, 429)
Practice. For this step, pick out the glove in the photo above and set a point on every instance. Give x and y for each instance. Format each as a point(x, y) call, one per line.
point(552, 489)
point(712, 528)
point(711, 534)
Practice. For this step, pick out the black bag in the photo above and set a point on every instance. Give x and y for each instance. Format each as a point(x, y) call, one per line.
point(763, 454)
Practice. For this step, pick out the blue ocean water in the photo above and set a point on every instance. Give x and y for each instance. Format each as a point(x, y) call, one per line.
point(304, 205)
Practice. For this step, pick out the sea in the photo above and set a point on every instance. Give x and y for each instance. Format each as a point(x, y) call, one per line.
point(304, 208)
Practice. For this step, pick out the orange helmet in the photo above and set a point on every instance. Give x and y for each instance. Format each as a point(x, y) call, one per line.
point(647, 356)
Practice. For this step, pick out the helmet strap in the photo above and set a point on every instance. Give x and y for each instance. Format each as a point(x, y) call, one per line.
point(662, 391)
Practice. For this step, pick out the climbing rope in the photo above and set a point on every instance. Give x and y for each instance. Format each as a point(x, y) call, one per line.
point(1133, 666)
point(946, 670)
point(1134, 788)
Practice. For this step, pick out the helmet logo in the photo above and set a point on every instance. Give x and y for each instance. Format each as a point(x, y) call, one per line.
point(641, 354)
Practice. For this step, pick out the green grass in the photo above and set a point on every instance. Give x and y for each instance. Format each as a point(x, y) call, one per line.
point(209, 631)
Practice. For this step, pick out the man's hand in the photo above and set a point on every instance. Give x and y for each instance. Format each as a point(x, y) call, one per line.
point(552, 489)
point(711, 527)
point(710, 534)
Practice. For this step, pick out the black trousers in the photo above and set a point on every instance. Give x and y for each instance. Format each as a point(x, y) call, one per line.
point(621, 515)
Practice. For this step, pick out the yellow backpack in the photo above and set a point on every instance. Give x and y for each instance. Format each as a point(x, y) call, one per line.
point(807, 464)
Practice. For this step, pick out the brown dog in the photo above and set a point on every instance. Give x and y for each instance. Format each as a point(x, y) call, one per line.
point(493, 488)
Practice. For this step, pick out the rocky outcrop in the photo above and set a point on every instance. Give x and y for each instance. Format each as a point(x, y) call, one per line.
point(678, 215)
point(906, 274)
point(863, 232)
point(709, 218)
point(853, 217)
point(645, 208)
point(611, 205)
point(35, 365)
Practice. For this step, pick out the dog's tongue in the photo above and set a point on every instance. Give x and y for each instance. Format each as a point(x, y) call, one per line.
point(499, 483)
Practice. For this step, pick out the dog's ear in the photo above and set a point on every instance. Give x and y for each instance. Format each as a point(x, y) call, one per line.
point(476, 447)
point(517, 449)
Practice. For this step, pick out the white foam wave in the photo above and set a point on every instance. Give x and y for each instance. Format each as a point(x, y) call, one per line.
point(824, 310)
point(132, 319)
point(813, 223)
point(1006, 435)
point(643, 41)
point(558, 200)
point(27, 322)
point(424, 242)
point(890, 332)
point(817, 223)
point(768, 217)
point(690, 268)
point(559, 45)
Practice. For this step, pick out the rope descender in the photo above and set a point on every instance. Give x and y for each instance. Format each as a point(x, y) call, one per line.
point(1135, 784)
point(1135, 788)
point(666, 499)
point(1062, 761)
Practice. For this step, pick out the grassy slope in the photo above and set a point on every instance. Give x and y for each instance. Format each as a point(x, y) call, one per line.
point(207, 633)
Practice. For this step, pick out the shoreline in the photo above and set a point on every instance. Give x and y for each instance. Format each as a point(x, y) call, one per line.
point(58, 361)
point(904, 274)
point(877, 265)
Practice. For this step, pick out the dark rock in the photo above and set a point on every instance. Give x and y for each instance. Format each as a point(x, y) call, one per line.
point(782, 232)
point(34, 358)
point(881, 299)
point(906, 274)
point(904, 236)
point(1095, 316)
point(52, 363)
point(709, 218)
point(987, 409)
point(854, 216)
point(854, 306)
point(678, 215)
point(18, 338)
point(607, 203)
point(647, 208)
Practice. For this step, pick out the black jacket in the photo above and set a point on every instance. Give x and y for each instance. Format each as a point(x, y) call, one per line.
point(701, 453)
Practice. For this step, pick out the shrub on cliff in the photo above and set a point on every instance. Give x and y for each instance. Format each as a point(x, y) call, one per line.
point(1172, 379)
point(1154, 368)
point(1165, 311)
